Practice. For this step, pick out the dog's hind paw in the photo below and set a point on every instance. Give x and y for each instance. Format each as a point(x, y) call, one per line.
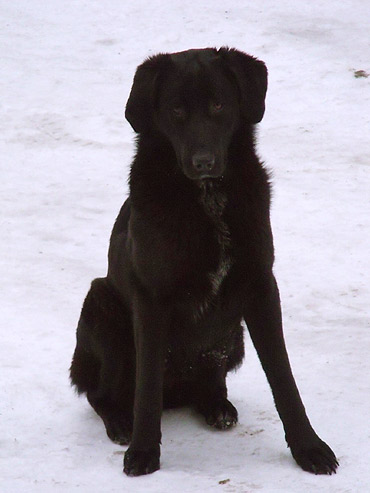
point(119, 429)
point(221, 415)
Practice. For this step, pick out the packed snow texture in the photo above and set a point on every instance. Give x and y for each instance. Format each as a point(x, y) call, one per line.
point(66, 72)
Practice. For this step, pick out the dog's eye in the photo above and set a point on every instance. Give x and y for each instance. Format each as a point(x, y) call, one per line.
point(178, 112)
point(217, 106)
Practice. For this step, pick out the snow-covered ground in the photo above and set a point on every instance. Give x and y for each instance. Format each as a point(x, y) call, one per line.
point(66, 71)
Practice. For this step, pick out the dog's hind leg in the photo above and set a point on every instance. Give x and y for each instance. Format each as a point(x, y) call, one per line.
point(103, 364)
point(211, 396)
point(116, 411)
point(85, 368)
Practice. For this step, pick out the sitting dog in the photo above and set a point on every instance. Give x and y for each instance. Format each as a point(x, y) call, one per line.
point(190, 258)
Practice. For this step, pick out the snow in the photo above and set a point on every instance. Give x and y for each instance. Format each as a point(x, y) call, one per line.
point(67, 69)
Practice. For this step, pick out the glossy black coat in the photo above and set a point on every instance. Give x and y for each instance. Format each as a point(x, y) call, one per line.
point(191, 256)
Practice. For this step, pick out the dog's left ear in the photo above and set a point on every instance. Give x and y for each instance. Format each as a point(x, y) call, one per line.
point(251, 77)
point(140, 104)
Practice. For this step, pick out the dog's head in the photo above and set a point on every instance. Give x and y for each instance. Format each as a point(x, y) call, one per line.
point(198, 99)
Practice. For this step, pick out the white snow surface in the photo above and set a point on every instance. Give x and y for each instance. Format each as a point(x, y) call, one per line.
point(66, 72)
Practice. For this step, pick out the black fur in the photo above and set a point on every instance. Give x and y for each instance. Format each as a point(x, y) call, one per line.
point(190, 257)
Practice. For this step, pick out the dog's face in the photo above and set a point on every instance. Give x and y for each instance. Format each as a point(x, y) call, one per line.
point(198, 99)
point(198, 111)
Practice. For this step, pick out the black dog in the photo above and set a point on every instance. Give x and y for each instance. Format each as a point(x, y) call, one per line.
point(190, 257)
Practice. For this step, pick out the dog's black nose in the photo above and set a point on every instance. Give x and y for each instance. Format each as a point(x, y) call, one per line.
point(203, 162)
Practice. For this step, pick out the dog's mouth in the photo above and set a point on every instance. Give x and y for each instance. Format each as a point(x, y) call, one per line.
point(208, 183)
point(208, 186)
point(202, 177)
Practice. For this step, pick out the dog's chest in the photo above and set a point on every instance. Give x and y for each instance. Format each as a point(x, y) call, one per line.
point(214, 202)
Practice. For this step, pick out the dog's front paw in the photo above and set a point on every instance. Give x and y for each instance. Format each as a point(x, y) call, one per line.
point(315, 456)
point(139, 462)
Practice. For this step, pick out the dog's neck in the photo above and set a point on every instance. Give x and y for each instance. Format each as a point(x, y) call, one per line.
point(214, 200)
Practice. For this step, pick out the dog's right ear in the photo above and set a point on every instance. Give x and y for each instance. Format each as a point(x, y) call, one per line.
point(140, 104)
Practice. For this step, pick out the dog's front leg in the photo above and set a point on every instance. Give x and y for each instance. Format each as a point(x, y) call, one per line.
point(263, 317)
point(150, 329)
